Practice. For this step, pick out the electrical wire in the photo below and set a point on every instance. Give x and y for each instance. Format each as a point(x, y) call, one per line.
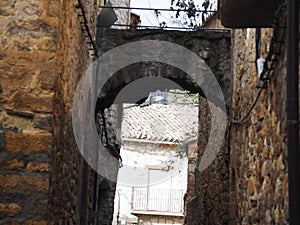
point(250, 110)
point(265, 76)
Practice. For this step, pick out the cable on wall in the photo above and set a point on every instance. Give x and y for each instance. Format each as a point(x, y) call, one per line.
point(275, 49)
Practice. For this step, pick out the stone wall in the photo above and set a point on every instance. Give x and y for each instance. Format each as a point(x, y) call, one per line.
point(43, 178)
point(67, 177)
point(79, 195)
point(28, 60)
point(212, 46)
point(248, 181)
point(210, 204)
point(191, 196)
point(258, 166)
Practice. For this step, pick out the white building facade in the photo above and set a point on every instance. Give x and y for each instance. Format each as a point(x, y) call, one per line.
point(153, 180)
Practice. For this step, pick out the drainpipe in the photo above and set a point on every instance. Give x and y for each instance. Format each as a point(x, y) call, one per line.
point(293, 110)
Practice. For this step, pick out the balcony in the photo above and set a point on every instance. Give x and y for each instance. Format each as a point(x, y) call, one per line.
point(153, 201)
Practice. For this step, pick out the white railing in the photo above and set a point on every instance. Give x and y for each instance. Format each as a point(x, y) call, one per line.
point(162, 200)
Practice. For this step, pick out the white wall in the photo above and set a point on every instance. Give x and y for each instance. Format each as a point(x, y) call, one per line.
point(137, 158)
point(122, 14)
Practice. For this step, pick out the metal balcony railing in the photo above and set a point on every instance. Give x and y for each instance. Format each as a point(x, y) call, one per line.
point(161, 200)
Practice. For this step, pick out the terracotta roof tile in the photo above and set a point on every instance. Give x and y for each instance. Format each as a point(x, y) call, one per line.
point(157, 122)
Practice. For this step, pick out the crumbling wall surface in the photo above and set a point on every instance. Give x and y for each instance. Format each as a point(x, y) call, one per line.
point(27, 81)
point(258, 170)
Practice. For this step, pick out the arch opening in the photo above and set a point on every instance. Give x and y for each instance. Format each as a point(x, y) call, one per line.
point(178, 79)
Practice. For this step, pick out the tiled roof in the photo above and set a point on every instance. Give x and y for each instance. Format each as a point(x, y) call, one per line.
point(157, 122)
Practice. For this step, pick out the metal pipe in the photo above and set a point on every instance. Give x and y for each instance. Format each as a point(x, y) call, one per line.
point(154, 9)
point(293, 111)
point(169, 28)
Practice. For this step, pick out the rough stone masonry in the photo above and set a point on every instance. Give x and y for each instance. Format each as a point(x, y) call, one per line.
point(43, 54)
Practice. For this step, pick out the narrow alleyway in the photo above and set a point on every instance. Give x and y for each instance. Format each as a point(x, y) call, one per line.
point(66, 70)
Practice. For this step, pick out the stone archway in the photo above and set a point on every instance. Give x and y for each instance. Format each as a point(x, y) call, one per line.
point(214, 48)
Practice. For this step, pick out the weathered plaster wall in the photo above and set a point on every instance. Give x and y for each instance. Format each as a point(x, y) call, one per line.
point(123, 15)
point(258, 170)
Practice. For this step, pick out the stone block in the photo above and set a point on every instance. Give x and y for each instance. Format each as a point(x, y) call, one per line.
point(12, 164)
point(266, 152)
point(232, 211)
point(31, 222)
point(266, 169)
point(279, 164)
point(251, 186)
point(43, 122)
point(9, 210)
point(285, 186)
point(33, 72)
point(38, 167)
point(28, 142)
point(23, 100)
point(11, 183)
point(7, 8)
